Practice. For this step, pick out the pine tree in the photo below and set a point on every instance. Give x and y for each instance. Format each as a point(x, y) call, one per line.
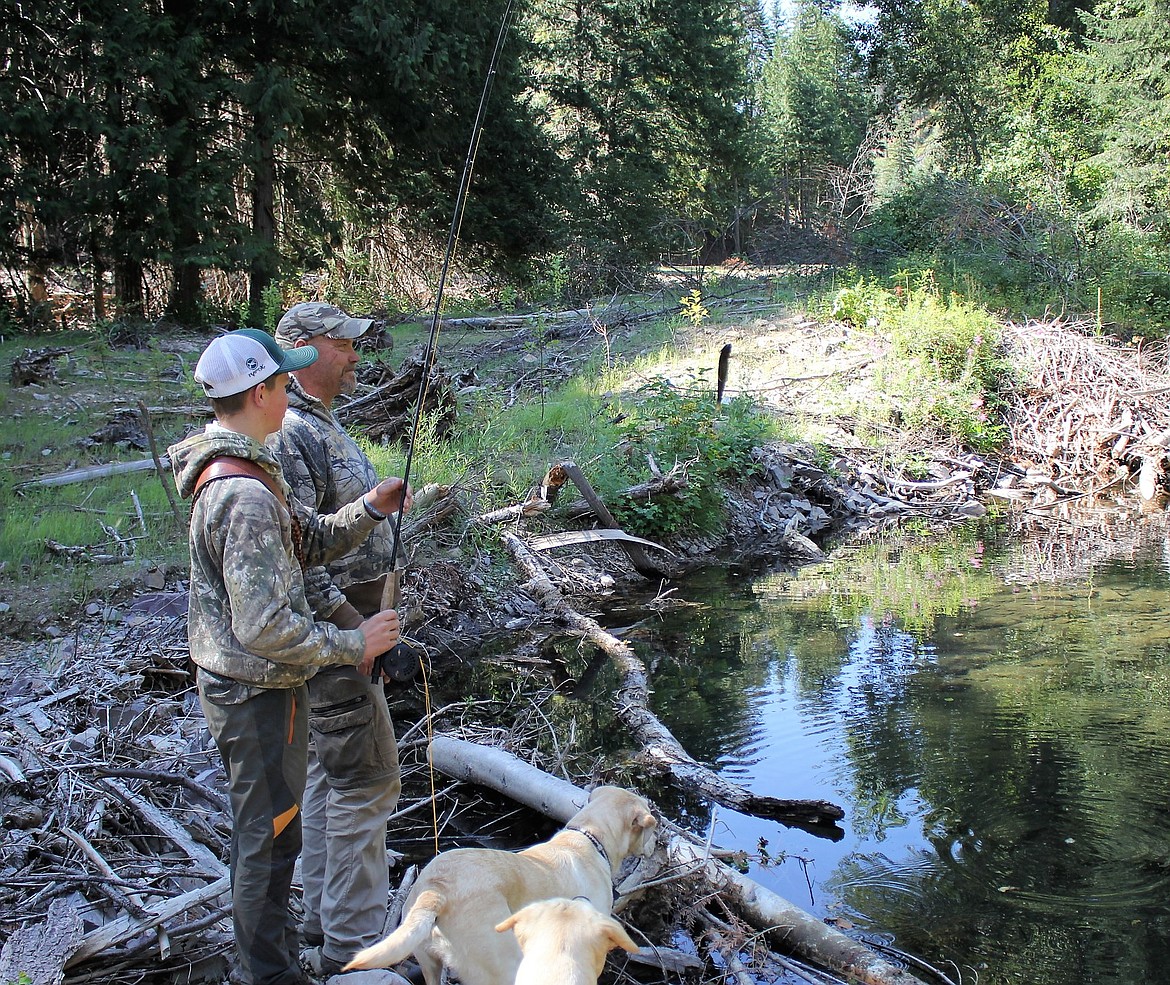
point(646, 101)
point(1129, 45)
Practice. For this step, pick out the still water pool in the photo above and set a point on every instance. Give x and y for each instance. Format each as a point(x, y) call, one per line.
point(993, 716)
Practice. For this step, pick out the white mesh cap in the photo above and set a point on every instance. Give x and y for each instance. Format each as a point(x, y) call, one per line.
point(239, 360)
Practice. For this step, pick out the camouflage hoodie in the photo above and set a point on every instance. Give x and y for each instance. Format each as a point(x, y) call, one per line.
point(248, 618)
point(325, 468)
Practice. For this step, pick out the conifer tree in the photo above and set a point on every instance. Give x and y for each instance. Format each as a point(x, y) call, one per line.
point(815, 107)
point(1129, 47)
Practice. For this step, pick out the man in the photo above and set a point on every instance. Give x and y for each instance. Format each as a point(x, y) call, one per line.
point(251, 632)
point(354, 781)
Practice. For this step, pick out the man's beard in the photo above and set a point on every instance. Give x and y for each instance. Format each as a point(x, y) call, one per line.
point(348, 382)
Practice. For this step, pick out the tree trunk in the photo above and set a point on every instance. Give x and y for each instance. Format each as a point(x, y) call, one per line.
point(263, 224)
point(183, 149)
point(32, 235)
point(128, 294)
point(99, 288)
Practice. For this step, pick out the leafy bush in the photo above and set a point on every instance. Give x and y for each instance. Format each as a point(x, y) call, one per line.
point(683, 426)
point(862, 305)
point(1131, 272)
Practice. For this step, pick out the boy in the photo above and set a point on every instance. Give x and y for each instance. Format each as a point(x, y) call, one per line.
point(251, 632)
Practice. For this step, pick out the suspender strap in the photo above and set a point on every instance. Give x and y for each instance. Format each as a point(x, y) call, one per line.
point(228, 467)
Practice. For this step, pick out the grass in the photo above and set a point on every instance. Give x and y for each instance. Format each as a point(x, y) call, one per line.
point(49, 426)
point(612, 400)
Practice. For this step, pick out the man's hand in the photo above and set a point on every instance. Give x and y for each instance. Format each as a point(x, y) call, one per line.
point(389, 494)
point(382, 633)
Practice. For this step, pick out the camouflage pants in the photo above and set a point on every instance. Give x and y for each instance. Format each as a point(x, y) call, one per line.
point(262, 735)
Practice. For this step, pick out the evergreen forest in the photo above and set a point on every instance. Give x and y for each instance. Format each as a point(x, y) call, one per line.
point(204, 159)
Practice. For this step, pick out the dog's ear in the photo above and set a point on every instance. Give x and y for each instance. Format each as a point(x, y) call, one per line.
point(616, 935)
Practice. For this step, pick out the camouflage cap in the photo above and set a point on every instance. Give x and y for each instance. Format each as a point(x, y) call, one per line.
point(309, 319)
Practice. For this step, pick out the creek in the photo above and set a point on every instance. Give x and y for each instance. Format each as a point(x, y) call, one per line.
point(992, 711)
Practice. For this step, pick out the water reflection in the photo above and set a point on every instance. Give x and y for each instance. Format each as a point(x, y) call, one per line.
point(999, 742)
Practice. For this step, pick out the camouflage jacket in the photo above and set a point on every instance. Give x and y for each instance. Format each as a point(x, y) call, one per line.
point(248, 617)
point(326, 468)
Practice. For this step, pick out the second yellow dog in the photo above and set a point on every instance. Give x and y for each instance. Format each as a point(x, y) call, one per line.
point(462, 895)
point(564, 941)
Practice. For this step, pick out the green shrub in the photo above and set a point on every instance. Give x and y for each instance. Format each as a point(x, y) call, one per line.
point(862, 305)
point(682, 426)
point(944, 369)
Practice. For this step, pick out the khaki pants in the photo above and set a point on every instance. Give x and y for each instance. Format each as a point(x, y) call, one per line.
point(353, 786)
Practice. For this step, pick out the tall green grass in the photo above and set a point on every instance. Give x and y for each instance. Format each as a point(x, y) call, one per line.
point(943, 369)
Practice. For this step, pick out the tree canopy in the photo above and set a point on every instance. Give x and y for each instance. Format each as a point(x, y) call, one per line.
point(153, 146)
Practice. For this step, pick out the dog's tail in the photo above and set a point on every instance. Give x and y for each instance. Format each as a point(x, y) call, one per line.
point(415, 928)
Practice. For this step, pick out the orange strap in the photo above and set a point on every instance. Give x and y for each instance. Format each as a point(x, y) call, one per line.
point(229, 466)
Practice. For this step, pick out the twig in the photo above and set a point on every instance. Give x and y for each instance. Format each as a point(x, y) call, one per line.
point(144, 413)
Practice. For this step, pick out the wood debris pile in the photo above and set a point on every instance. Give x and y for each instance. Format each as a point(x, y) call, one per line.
point(114, 805)
point(117, 825)
point(1089, 420)
point(796, 501)
point(36, 365)
point(387, 412)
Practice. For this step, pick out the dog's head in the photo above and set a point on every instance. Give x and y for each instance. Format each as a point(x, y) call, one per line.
point(570, 928)
point(622, 820)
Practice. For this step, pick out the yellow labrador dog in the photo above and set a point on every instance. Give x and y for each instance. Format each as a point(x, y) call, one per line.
point(564, 941)
point(461, 895)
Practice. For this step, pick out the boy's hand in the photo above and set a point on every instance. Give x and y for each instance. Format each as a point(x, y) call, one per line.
point(382, 633)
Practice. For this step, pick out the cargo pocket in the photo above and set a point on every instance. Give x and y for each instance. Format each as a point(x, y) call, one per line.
point(343, 743)
point(224, 691)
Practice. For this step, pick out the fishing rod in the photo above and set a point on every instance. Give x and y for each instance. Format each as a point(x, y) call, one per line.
point(391, 593)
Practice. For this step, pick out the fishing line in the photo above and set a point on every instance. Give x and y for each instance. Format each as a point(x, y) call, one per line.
point(452, 239)
point(430, 351)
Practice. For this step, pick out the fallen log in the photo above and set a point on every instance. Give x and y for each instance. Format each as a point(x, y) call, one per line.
point(36, 954)
point(787, 925)
point(582, 316)
point(531, 507)
point(569, 538)
point(659, 748)
point(642, 562)
point(672, 483)
point(94, 472)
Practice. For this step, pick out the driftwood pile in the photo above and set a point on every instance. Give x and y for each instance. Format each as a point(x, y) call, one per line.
point(115, 815)
point(1089, 421)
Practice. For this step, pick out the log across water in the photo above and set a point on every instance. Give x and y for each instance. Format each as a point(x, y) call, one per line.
point(787, 925)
